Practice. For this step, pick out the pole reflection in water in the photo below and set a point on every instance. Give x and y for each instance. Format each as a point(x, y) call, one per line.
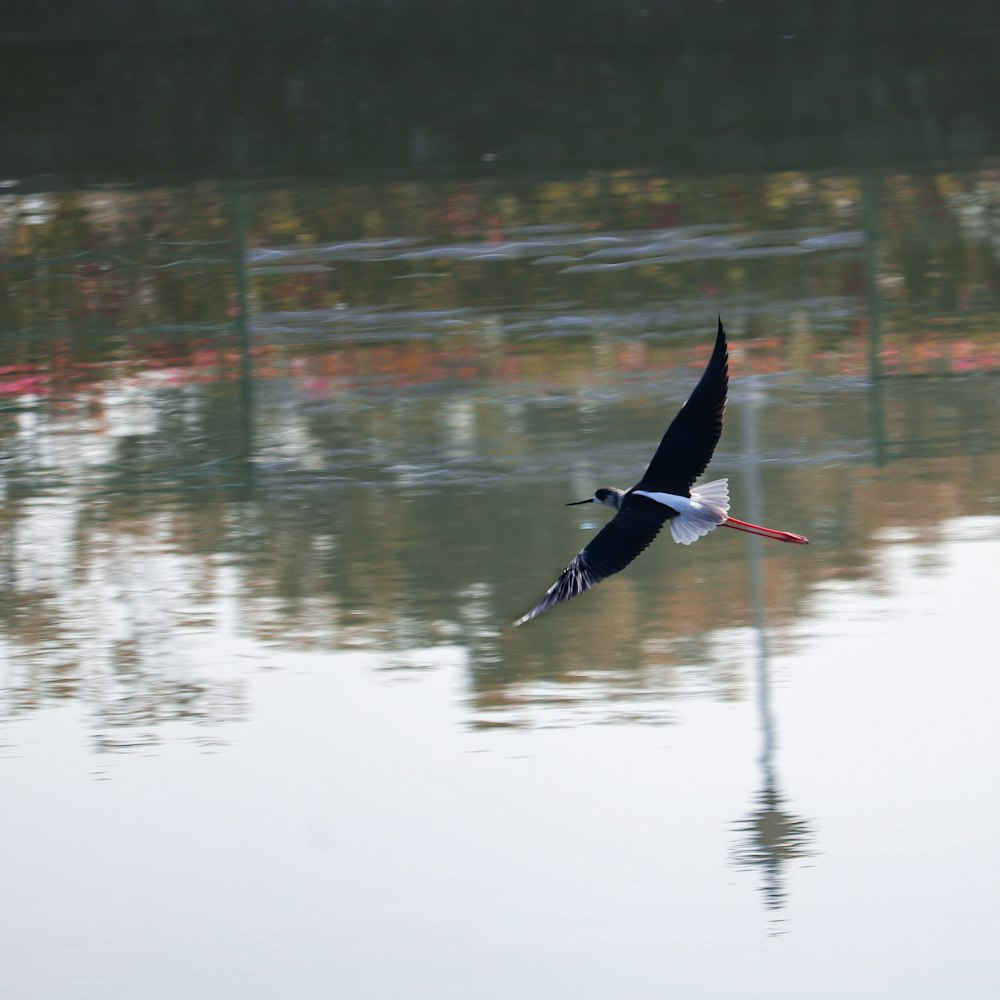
point(869, 206)
point(240, 209)
point(770, 836)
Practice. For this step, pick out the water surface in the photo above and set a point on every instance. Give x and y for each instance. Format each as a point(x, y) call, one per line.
point(281, 465)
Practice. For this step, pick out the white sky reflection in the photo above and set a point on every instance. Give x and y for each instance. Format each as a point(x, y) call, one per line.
point(355, 837)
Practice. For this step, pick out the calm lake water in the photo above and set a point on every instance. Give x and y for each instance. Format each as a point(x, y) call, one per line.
point(281, 464)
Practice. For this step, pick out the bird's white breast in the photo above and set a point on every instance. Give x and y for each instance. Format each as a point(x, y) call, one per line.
point(682, 505)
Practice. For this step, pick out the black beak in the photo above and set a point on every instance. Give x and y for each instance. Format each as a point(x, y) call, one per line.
point(576, 503)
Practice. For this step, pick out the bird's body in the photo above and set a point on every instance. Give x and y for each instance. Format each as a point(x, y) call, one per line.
point(664, 493)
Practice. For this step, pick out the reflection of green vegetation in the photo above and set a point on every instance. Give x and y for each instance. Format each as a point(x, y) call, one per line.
point(98, 276)
point(491, 212)
point(106, 275)
point(390, 476)
point(389, 519)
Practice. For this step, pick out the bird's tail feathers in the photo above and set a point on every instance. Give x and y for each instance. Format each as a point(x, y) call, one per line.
point(708, 509)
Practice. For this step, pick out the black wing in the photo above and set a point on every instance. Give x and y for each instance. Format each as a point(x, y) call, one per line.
point(690, 440)
point(627, 534)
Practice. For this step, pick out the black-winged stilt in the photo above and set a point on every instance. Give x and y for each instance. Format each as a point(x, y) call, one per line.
point(663, 494)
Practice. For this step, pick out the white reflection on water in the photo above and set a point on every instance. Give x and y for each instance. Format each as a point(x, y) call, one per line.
point(358, 839)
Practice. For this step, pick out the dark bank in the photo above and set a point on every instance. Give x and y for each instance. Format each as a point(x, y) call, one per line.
point(111, 91)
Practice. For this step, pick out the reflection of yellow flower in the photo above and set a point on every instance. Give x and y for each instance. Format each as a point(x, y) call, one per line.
point(783, 189)
point(659, 192)
point(373, 223)
point(554, 196)
point(949, 185)
point(623, 187)
point(509, 210)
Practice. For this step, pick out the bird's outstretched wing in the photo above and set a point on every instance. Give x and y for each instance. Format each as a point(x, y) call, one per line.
point(609, 551)
point(687, 446)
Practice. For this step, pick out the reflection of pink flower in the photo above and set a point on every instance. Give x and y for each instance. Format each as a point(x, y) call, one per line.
point(26, 383)
point(891, 358)
point(929, 350)
point(315, 387)
point(964, 356)
point(632, 356)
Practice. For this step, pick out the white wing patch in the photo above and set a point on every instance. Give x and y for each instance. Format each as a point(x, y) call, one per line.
point(698, 514)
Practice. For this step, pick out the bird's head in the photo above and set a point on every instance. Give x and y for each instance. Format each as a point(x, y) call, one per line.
point(606, 494)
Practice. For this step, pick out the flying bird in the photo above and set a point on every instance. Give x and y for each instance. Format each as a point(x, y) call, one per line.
point(663, 494)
